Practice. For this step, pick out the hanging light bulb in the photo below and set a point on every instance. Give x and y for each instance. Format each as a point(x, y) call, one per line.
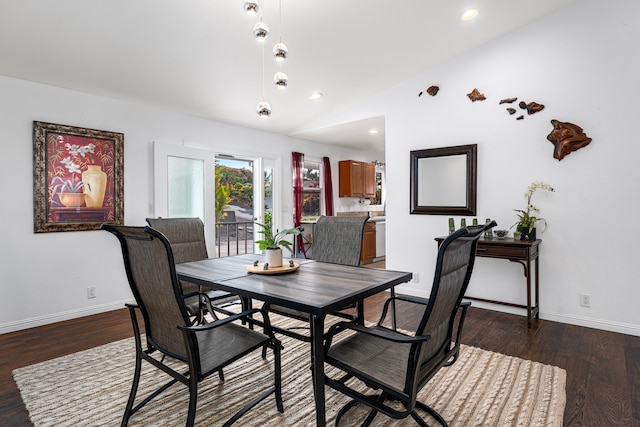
point(261, 31)
point(251, 7)
point(263, 109)
point(280, 51)
point(280, 79)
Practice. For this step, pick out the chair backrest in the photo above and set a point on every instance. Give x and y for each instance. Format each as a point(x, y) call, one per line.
point(150, 268)
point(186, 236)
point(338, 239)
point(454, 265)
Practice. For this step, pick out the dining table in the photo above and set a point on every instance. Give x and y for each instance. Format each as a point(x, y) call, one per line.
point(313, 287)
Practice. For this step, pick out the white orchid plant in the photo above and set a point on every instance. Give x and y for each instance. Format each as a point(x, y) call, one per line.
point(527, 218)
point(71, 185)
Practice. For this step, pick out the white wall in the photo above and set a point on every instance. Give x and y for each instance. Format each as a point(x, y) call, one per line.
point(581, 63)
point(43, 277)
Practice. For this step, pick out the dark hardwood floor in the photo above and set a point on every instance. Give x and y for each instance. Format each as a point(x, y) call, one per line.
point(603, 368)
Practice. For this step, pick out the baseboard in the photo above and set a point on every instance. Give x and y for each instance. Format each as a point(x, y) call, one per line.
point(588, 322)
point(606, 325)
point(59, 317)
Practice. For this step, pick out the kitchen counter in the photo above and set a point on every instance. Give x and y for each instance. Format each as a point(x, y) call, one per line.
point(378, 218)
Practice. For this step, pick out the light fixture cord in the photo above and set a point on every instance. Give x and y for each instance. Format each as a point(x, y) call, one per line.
point(280, 6)
point(261, 15)
point(261, 10)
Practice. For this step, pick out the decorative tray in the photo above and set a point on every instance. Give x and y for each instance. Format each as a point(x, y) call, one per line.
point(285, 268)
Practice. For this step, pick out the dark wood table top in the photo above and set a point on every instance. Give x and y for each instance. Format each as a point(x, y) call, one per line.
point(316, 287)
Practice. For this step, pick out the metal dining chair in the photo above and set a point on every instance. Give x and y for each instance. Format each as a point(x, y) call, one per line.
point(202, 349)
point(399, 363)
point(186, 236)
point(337, 240)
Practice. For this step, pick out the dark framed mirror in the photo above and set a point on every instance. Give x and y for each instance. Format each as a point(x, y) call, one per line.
point(444, 180)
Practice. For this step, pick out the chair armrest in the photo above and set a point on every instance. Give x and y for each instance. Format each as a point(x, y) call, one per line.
point(219, 322)
point(211, 308)
point(415, 300)
point(386, 334)
point(392, 302)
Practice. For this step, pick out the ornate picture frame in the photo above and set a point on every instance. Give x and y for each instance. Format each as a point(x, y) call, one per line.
point(78, 181)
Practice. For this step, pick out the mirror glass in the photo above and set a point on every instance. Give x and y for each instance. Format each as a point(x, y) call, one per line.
point(443, 180)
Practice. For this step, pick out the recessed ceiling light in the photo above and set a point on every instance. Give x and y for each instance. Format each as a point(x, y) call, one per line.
point(373, 131)
point(469, 14)
point(316, 96)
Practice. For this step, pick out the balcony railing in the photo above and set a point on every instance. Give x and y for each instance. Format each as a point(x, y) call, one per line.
point(234, 238)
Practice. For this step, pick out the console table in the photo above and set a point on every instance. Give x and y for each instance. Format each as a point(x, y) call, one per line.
point(522, 252)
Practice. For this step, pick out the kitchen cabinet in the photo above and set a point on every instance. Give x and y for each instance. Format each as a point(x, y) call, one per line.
point(357, 179)
point(368, 243)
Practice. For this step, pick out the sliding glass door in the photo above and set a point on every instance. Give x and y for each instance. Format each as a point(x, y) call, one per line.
point(228, 192)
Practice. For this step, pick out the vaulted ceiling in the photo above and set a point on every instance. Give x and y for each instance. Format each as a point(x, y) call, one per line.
point(200, 57)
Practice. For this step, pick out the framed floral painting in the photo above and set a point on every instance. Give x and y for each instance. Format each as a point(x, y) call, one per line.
point(78, 178)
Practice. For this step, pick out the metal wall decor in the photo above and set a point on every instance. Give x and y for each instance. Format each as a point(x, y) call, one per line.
point(431, 90)
point(566, 137)
point(475, 95)
point(532, 107)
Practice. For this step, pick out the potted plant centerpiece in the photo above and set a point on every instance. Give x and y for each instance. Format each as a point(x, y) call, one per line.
point(526, 225)
point(272, 243)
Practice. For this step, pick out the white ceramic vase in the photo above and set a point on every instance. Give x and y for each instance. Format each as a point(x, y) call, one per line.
point(95, 180)
point(274, 257)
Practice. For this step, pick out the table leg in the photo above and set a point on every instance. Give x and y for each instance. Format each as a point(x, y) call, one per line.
point(537, 285)
point(247, 305)
point(360, 312)
point(317, 367)
point(528, 268)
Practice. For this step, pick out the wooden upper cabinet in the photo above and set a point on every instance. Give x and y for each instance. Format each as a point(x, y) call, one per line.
point(357, 179)
point(369, 179)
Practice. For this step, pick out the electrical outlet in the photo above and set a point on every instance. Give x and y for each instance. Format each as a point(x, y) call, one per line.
point(585, 300)
point(91, 292)
point(416, 278)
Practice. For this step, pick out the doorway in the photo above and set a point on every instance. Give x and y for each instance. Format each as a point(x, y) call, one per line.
point(228, 192)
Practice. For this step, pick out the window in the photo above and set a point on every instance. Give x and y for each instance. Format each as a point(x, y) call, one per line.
point(312, 189)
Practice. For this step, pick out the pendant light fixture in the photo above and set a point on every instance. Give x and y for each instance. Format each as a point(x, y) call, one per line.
point(280, 50)
point(261, 31)
point(251, 7)
point(263, 109)
point(280, 80)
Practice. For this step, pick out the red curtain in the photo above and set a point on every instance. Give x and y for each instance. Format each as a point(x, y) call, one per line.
point(298, 187)
point(328, 187)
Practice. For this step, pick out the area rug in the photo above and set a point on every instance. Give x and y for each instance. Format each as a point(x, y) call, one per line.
point(90, 388)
